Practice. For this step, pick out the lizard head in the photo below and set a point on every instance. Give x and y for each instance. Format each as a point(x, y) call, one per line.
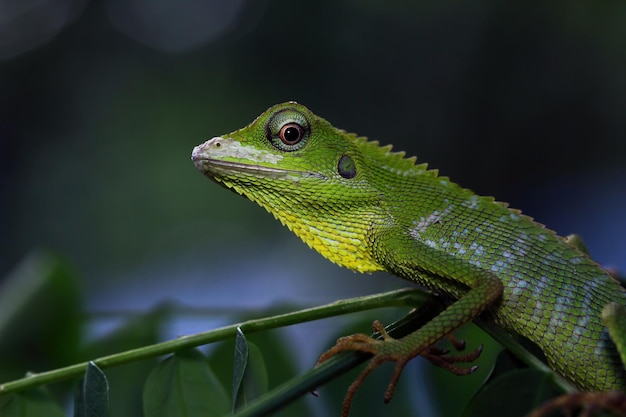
point(316, 179)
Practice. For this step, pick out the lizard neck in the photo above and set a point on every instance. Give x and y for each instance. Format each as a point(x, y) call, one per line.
point(342, 234)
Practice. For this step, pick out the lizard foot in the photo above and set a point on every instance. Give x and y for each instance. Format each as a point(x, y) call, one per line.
point(393, 350)
point(437, 357)
point(589, 404)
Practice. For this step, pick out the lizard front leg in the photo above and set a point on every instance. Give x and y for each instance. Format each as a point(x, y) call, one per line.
point(487, 289)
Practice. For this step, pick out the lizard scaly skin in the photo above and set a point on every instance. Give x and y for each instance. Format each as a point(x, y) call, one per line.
point(369, 209)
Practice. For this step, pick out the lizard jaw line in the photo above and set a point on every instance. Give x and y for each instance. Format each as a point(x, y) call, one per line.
point(218, 168)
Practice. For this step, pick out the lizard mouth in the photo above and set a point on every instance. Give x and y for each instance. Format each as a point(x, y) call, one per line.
point(217, 168)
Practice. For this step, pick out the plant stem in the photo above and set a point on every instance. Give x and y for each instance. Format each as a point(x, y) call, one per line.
point(405, 297)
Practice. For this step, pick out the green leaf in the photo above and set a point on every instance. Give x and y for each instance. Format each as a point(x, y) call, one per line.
point(183, 385)
point(92, 396)
point(262, 371)
point(515, 393)
point(31, 403)
point(240, 362)
point(255, 381)
point(250, 378)
point(40, 313)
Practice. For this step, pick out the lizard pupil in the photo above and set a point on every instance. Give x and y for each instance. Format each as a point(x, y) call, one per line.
point(291, 133)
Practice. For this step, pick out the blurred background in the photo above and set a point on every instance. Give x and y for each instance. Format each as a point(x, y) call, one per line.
point(102, 101)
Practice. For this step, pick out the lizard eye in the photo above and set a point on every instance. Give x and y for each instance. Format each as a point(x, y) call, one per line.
point(288, 130)
point(291, 133)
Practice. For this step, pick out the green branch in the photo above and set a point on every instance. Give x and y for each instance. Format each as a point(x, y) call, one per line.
point(405, 297)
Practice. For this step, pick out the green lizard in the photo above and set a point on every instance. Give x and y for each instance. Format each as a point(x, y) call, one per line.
point(369, 209)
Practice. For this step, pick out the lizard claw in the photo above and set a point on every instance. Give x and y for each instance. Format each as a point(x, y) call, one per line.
point(391, 350)
point(437, 358)
point(382, 352)
point(359, 342)
point(458, 344)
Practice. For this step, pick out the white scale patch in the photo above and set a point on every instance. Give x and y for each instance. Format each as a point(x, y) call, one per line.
point(561, 309)
point(576, 260)
point(509, 217)
point(478, 249)
point(581, 326)
point(471, 203)
point(520, 246)
point(499, 265)
point(460, 249)
point(219, 146)
point(431, 243)
point(520, 288)
point(425, 222)
point(591, 289)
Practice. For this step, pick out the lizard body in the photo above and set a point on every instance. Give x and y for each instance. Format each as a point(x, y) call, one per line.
point(369, 209)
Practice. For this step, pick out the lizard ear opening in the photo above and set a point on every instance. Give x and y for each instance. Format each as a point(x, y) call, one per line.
point(346, 167)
